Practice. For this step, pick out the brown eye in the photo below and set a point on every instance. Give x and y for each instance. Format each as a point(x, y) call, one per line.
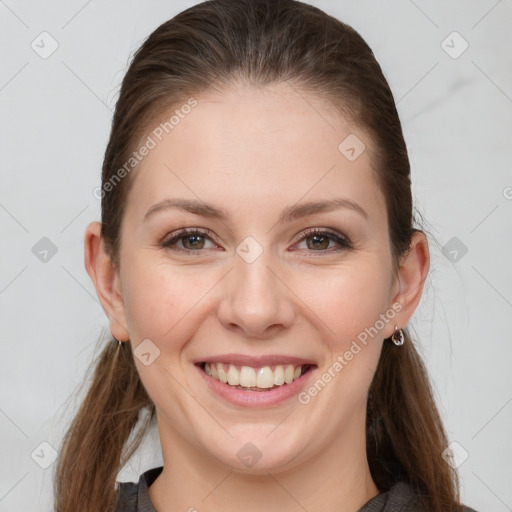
point(196, 241)
point(192, 240)
point(318, 240)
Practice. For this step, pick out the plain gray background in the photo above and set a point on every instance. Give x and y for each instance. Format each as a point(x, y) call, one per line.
point(456, 112)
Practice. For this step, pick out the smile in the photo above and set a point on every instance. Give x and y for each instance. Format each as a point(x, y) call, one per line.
point(263, 381)
point(248, 378)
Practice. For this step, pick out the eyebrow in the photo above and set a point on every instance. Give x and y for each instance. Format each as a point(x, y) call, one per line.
point(289, 214)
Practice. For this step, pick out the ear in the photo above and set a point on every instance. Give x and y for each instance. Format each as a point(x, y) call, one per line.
point(105, 277)
point(410, 278)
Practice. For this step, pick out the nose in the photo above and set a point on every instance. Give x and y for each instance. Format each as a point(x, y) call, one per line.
point(256, 302)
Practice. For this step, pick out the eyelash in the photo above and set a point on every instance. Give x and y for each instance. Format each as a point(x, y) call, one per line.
point(342, 240)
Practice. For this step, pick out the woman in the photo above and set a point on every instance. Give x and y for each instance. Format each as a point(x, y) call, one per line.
point(258, 264)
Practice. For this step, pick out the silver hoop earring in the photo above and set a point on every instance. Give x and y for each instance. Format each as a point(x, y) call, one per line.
point(398, 337)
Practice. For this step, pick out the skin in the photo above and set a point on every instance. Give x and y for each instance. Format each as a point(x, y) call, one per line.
point(241, 149)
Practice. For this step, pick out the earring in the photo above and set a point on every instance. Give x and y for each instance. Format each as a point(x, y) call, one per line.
point(398, 337)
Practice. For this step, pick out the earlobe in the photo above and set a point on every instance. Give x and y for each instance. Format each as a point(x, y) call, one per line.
point(413, 271)
point(104, 275)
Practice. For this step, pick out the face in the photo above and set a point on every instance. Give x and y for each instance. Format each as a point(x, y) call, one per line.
point(269, 286)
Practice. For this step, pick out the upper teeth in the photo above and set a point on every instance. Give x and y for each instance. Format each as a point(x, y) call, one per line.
point(248, 377)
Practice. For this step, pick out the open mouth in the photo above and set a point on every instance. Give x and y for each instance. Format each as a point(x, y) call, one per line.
point(248, 378)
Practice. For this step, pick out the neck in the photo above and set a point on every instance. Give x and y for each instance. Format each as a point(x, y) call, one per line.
point(335, 480)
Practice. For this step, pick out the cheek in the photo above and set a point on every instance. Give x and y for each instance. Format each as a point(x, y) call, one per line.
point(161, 301)
point(346, 301)
point(350, 308)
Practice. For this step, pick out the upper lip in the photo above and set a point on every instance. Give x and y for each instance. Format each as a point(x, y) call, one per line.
point(255, 361)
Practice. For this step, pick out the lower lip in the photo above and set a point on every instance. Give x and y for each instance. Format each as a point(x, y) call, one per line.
point(256, 398)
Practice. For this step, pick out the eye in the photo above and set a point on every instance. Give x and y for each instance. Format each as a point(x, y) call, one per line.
point(320, 240)
point(193, 240)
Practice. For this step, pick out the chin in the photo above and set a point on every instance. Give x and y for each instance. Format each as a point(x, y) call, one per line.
point(254, 451)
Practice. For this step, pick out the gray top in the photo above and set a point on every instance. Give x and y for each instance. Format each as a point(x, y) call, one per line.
point(134, 497)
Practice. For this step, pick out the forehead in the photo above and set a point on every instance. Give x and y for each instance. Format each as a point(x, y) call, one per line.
point(249, 146)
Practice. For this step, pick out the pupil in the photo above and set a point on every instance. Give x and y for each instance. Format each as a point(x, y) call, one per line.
point(194, 237)
point(320, 237)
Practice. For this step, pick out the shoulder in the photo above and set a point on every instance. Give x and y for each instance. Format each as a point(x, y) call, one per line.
point(134, 496)
point(126, 498)
point(402, 497)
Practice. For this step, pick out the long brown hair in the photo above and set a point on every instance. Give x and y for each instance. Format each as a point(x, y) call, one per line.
point(211, 45)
